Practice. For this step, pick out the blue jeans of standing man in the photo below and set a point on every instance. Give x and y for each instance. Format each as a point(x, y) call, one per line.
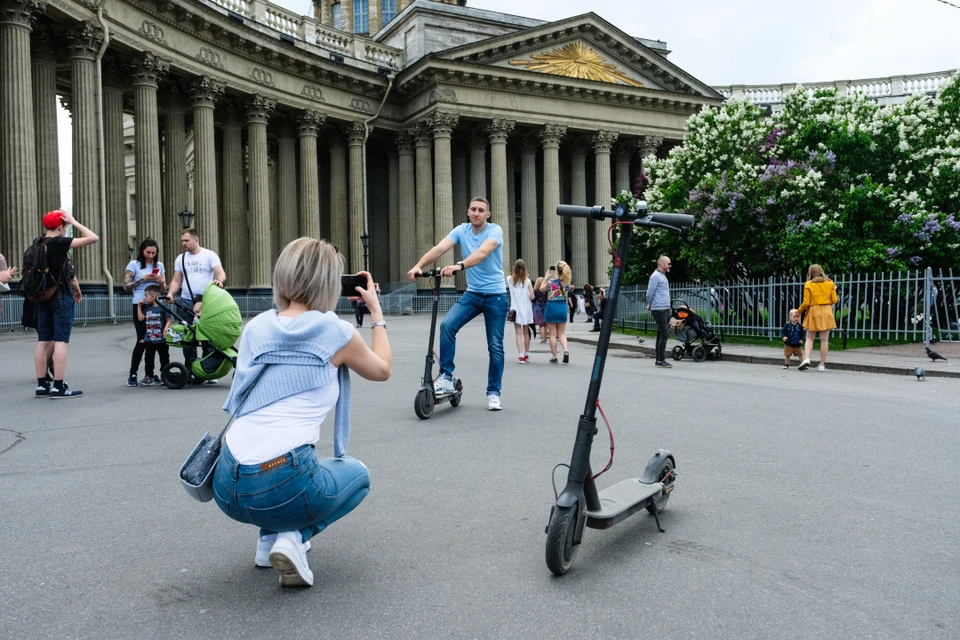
point(295, 492)
point(493, 306)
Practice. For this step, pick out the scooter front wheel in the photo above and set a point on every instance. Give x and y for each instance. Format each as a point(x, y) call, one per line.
point(423, 404)
point(664, 475)
point(561, 551)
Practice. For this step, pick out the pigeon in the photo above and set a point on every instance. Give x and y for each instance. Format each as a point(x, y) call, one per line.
point(933, 355)
point(919, 373)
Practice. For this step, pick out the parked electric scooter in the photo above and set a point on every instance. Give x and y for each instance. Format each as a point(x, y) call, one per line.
point(579, 504)
point(427, 397)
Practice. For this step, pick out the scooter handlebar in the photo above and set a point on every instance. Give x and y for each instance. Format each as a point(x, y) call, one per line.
point(429, 274)
point(577, 211)
point(678, 220)
point(642, 217)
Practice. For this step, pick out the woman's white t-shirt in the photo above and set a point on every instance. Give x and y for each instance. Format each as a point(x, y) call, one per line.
point(520, 300)
point(139, 273)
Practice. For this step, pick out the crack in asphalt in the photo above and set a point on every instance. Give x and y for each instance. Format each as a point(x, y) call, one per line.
point(19, 437)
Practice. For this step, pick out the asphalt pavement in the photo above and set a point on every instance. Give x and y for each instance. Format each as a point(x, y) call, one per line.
point(807, 505)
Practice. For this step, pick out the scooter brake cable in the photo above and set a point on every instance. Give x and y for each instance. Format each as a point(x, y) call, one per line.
point(610, 431)
point(613, 250)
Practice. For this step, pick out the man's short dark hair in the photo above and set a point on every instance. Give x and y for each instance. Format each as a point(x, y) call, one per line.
point(192, 232)
point(481, 199)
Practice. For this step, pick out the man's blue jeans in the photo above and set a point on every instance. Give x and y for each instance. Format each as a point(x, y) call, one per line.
point(493, 306)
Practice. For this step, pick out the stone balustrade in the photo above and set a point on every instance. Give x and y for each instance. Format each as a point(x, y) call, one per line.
point(892, 89)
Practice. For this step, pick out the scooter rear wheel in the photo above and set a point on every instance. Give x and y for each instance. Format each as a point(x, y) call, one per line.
point(665, 475)
point(423, 404)
point(174, 375)
point(457, 394)
point(561, 551)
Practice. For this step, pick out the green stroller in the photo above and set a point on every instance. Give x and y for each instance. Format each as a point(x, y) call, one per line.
point(212, 336)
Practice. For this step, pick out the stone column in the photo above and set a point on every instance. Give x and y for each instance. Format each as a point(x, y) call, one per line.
point(478, 164)
point(621, 180)
point(145, 70)
point(236, 246)
point(308, 125)
point(498, 130)
point(204, 93)
point(407, 228)
point(19, 223)
point(552, 223)
point(84, 41)
point(424, 223)
point(529, 234)
point(647, 146)
point(114, 154)
point(287, 184)
point(461, 200)
point(339, 220)
point(358, 225)
point(44, 65)
point(579, 254)
point(174, 176)
point(258, 109)
point(602, 143)
point(442, 125)
point(393, 214)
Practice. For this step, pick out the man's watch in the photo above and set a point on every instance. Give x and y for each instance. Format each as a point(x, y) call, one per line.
point(462, 266)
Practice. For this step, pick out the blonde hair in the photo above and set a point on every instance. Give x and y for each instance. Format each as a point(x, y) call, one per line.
point(563, 273)
point(519, 274)
point(792, 311)
point(536, 285)
point(815, 273)
point(308, 271)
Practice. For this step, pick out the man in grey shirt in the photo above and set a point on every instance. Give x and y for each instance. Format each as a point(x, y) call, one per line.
point(658, 304)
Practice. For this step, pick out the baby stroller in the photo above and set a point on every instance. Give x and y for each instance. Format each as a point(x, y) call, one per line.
point(697, 335)
point(213, 335)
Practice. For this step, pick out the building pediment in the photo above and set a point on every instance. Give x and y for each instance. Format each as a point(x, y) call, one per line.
point(585, 47)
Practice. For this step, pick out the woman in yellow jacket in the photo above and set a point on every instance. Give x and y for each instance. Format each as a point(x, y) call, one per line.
point(819, 296)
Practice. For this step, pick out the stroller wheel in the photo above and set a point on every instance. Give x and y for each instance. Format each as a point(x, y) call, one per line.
point(678, 353)
point(699, 353)
point(716, 356)
point(174, 375)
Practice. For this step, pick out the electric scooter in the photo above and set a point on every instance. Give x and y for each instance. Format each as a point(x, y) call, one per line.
point(427, 397)
point(579, 505)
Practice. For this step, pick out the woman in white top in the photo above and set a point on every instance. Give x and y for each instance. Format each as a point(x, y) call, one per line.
point(291, 372)
point(521, 296)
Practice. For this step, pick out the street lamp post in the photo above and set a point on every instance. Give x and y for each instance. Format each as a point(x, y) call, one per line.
point(365, 239)
point(186, 218)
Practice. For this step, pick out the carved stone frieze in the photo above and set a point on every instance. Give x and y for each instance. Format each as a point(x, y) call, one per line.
point(147, 68)
point(313, 92)
point(84, 40)
point(152, 31)
point(442, 94)
point(359, 104)
point(210, 57)
point(22, 12)
point(261, 76)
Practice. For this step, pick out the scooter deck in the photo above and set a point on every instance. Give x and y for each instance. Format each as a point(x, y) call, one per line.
point(621, 501)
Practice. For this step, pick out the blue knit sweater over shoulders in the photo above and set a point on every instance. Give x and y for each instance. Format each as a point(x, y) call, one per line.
point(298, 352)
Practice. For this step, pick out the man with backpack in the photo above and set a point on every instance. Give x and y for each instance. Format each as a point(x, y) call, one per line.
point(46, 285)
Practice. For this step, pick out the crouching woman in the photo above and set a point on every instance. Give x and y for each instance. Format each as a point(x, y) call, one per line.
point(292, 371)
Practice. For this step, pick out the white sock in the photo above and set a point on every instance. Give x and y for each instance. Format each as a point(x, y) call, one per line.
point(269, 537)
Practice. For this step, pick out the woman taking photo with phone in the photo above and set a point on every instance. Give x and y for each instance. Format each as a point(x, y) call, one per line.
point(292, 371)
point(556, 284)
point(146, 270)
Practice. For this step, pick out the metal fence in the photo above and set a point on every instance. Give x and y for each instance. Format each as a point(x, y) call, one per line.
point(881, 306)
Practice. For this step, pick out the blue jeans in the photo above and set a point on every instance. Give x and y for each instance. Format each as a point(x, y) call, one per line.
point(302, 493)
point(493, 306)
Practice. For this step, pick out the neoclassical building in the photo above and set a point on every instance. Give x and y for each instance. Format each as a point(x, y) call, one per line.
point(298, 127)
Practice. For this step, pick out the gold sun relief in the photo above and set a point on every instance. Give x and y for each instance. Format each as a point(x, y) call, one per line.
point(576, 60)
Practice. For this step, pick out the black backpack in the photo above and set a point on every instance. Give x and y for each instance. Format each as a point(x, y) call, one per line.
point(38, 283)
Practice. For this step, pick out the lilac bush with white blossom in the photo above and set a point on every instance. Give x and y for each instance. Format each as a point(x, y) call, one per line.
point(836, 180)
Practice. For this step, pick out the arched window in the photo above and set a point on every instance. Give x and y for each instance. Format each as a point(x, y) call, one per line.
point(360, 24)
point(388, 11)
point(336, 15)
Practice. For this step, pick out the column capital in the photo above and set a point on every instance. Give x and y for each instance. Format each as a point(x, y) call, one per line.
point(603, 140)
point(423, 136)
point(43, 46)
point(171, 99)
point(442, 124)
point(113, 73)
point(231, 110)
point(404, 142)
point(529, 143)
point(147, 69)
point(259, 108)
point(355, 133)
point(580, 146)
point(309, 122)
point(22, 13)
point(84, 40)
point(624, 150)
point(499, 129)
point(550, 135)
point(648, 145)
point(287, 128)
point(479, 139)
point(204, 91)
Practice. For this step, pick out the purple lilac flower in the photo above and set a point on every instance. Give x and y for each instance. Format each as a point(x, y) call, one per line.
point(830, 156)
point(893, 252)
point(922, 236)
point(932, 226)
point(952, 222)
point(805, 223)
point(904, 217)
point(915, 260)
point(771, 200)
point(694, 195)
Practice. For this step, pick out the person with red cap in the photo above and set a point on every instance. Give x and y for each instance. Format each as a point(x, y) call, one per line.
point(55, 318)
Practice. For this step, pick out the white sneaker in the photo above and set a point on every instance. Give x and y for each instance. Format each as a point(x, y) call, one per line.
point(444, 385)
point(820, 367)
point(289, 558)
point(262, 559)
point(803, 365)
point(493, 403)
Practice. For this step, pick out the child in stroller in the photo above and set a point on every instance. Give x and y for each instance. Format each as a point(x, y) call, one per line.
point(697, 335)
point(213, 334)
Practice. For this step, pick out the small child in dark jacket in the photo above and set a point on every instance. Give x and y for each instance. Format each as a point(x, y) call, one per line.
point(793, 334)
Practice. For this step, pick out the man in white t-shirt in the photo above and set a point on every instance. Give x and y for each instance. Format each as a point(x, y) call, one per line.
point(193, 270)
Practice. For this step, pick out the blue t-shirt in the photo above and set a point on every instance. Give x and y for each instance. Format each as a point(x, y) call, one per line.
point(154, 317)
point(486, 277)
point(139, 273)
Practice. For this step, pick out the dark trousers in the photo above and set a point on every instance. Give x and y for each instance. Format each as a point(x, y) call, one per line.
point(597, 317)
point(572, 311)
point(662, 318)
point(139, 347)
point(154, 349)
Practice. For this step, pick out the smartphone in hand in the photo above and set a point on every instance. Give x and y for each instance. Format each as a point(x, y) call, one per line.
point(349, 284)
point(156, 270)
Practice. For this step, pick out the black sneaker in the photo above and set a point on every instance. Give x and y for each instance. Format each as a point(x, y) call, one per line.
point(43, 390)
point(64, 392)
point(664, 364)
point(132, 381)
